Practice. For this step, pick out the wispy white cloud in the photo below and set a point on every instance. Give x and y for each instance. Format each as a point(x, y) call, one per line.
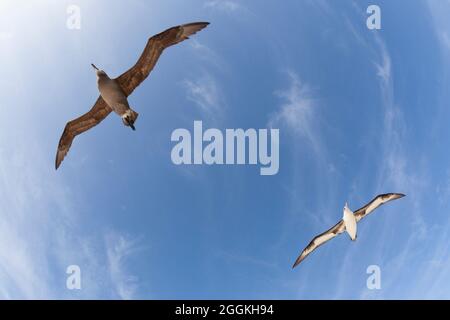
point(118, 249)
point(384, 67)
point(24, 226)
point(223, 5)
point(297, 112)
point(207, 54)
point(39, 236)
point(206, 95)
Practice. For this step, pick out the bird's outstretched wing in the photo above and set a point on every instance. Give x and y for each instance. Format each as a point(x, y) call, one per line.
point(155, 46)
point(375, 203)
point(340, 226)
point(79, 125)
point(320, 240)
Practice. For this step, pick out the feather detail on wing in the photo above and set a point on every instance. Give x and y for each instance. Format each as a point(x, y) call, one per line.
point(375, 203)
point(77, 126)
point(155, 46)
point(320, 240)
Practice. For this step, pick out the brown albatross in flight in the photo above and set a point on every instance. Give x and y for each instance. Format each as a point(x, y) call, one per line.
point(348, 223)
point(114, 92)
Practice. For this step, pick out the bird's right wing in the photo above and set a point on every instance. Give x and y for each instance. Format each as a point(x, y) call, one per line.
point(79, 125)
point(132, 78)
point(320, 240)
point(375, 203)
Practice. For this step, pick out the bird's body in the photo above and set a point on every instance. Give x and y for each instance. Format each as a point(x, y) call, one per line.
point(114, 92)
point(348, 224)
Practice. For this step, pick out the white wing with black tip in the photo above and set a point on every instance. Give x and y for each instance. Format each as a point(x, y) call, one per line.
point(375, 203)
point(340, 226)
point(320, 240)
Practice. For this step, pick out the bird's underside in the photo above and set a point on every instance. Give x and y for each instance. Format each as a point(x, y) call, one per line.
point(128, 81)
point(340, 226)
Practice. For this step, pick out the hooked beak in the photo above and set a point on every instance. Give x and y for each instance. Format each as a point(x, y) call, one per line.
point(93, 66)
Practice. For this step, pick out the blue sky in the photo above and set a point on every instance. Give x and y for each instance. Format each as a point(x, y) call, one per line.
point(360, 112)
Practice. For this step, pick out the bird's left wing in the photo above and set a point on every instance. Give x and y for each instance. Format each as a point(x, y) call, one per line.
point(320, 240)
point(79, 125)
point(375, 203)
point(132, 78)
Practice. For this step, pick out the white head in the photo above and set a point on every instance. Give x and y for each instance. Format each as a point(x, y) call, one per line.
point(350, 222)
point(347, 209)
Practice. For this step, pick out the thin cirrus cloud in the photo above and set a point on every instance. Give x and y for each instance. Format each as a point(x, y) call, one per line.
point(296, 113)
point(205, 53)
point(118, 249)
point(384, 68)
point(206, 94)
point(38, 240)
point(25, 237)
point(228, 6)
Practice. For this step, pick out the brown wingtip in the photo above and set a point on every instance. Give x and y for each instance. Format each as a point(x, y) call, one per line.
point(60, 154)
point(57, 163)
point(296, 263)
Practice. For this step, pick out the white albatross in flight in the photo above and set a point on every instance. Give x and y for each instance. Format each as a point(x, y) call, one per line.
point(114, 92)
point(348, 223)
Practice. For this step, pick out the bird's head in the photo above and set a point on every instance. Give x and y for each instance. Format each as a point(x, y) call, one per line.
point(347, 210)
point(98, 72)
point(129, 118)
point(346, 206)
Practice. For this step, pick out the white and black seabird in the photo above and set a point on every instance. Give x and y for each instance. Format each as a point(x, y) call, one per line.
point(114, 92)
point(348, 223)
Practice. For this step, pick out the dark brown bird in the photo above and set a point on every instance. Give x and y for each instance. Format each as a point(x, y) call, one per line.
point(114, 92)
point(348, 223)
